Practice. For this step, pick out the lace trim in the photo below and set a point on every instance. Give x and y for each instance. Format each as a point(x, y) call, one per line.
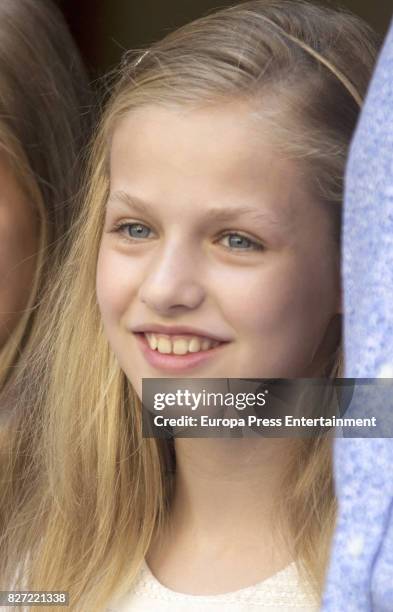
point(283, 588)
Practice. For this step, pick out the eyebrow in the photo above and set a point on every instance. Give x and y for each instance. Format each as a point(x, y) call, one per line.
point(216, 214)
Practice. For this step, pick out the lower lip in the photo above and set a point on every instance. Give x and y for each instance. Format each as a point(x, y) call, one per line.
point(175, 363)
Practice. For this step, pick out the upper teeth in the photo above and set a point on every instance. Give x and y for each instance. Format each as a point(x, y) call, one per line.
point(179, 345)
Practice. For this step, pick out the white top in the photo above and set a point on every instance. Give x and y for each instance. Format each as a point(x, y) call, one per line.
point(279, 593)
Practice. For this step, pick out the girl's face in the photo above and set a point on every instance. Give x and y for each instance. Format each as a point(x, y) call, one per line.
point(19, 230)
point(215, 261)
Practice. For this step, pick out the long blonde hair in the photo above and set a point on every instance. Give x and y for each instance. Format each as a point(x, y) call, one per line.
point(44, 123)
point(83, 492)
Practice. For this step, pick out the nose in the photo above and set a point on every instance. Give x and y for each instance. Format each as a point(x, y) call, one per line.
point(173, 283)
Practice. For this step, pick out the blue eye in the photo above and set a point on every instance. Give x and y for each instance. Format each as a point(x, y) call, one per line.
point(241, 243)
point(134, 230)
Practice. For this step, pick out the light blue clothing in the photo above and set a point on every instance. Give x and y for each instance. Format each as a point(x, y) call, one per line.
point(360, 576)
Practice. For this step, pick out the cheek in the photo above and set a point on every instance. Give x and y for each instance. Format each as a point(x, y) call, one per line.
point(281, 301)
point(116, 284)
point(19, 235)
point(109, 285)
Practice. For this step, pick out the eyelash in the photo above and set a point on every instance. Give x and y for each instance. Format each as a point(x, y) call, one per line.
point(120, 229)
point(255, 246)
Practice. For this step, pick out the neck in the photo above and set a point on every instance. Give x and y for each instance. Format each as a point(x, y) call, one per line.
point(222, 528)
point(219, 479)
point(227, 490)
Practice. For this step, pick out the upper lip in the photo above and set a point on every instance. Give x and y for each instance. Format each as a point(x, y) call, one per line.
point(177, 330)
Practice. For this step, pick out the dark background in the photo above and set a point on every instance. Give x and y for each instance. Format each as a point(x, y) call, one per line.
point(103, 29)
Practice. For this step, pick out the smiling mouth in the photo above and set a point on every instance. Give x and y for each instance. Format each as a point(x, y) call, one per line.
point(183, 344)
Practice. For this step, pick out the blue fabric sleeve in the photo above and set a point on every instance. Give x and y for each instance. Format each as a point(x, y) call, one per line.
point(360, 575)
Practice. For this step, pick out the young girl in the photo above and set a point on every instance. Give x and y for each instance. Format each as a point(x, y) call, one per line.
point(44, 107)
point(208, 247)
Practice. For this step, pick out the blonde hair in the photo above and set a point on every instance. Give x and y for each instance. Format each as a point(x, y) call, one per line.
point(80, 478)
point(44, 106)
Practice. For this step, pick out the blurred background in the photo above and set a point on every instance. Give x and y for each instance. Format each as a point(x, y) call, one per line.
point(104, 29)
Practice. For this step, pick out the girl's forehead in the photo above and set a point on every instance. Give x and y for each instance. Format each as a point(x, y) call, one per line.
point(207, 159)
point(224, 142)
point(214, 107)
point(235, 118)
